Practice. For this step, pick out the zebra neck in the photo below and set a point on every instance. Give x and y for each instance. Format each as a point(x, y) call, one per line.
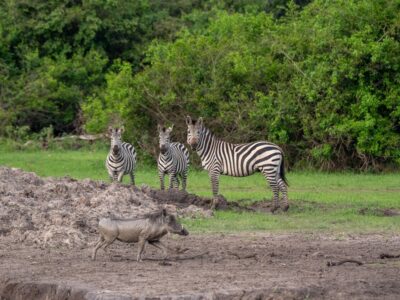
point(207, 144)
point(115, 157)
point(167, 155)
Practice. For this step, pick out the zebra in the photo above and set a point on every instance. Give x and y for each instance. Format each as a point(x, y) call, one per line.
point(173, 160)
point(121, 159)
point(220, 157)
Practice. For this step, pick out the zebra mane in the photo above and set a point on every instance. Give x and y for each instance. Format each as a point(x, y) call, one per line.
point(206, 130)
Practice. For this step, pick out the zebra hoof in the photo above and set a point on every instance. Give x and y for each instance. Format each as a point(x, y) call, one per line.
point(219, 202)
point(274, 209)
point(213, 205)
point(285, 208)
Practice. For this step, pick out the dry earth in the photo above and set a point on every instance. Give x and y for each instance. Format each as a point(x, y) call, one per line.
point(48, 226)
point(55, 212)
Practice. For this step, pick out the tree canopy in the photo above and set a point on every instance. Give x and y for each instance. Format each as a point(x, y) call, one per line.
point(320, 78)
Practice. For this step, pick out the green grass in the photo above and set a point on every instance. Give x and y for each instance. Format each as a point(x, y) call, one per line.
point(319, 201)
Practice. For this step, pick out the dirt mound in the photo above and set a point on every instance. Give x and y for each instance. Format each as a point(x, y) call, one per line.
point(182, 199)
point(65, 211)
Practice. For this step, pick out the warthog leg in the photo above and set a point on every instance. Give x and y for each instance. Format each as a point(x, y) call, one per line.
point(101, 242)
point(141, 245)
point(160, 246)
point(108, 243)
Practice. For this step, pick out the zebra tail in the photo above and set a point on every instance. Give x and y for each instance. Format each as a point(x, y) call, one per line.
point(282, 171)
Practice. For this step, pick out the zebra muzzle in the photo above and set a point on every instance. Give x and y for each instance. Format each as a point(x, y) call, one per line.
point(193, 146)
point(115, 149)
point(163, 149)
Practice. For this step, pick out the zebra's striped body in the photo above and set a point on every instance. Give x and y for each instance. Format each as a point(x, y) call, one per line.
point(219, 157)
point(173, 160)
point(121, 159)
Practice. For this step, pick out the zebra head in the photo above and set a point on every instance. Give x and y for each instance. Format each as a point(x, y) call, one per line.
point(115, 134)
point(164, 135)
point(194, 131)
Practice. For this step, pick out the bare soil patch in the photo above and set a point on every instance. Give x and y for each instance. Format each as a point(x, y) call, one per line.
point(387, 212)
point(216, 266)
point(48, 228)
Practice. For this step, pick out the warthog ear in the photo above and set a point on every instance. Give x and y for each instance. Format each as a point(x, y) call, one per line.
point(164, 212)
point(188, 120)
point(200, 122)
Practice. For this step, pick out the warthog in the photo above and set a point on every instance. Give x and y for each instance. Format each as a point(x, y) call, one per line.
point(150, 228)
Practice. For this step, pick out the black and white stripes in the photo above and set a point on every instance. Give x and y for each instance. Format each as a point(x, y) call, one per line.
point(219, 157)
point(121, 159)
point(173, 160)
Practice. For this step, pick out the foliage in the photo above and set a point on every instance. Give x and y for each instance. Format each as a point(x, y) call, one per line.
point(322, 82)
point(54, 54)
point(320, 78)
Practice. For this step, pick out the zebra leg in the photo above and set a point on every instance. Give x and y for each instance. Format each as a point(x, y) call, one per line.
point(114, 177)
point(111, 176)
point(161, 175)
point(132, 178)
point(271, 178)
point(184, 179)
point(214, 177)
point(283, 190)
point(172, 176)
point(177, 182)
point(120, 175)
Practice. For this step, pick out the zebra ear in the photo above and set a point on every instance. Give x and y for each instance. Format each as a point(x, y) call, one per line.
point(170, 128)
point(158, 127)
point(110, 130)
point(188, 120)
point(121, 130)
point(200, 122)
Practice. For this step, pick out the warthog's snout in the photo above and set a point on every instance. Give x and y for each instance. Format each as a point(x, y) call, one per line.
point(163, 149)
point(178, 229)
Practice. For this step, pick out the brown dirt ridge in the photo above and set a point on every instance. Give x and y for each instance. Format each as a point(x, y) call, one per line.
point(65, 212)
point(48, 227)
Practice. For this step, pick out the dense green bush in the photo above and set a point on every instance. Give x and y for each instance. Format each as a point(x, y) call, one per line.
point(54, 54)
point(322, 82)
point(321, 79)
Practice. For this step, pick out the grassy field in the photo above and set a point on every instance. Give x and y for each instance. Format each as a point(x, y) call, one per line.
point(319, 201)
